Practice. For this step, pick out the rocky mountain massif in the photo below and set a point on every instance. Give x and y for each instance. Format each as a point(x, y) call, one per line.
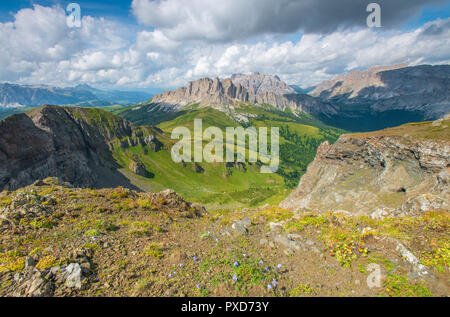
point(361, 101)
point(73, 144)
point(353, 82)
point(257, 83)
point(398, 171)
point(387, 96)
point(254, 89)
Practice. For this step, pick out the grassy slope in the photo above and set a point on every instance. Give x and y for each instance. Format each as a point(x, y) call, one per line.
point(145, 114)
point(415, 130)
point(215, 187)
point(212, 187)
point(9, 112)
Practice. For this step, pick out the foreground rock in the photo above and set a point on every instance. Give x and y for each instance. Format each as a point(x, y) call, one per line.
point(399, 171)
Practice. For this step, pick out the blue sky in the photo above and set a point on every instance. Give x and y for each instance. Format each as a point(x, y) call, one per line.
point(117, 9)
point(143, 44)
point(428, 14)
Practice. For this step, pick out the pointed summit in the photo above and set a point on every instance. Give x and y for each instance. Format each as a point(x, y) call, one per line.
point(262, 83)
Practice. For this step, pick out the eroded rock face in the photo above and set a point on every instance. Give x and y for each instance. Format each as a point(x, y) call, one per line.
point(73, 144)
point(391, 172)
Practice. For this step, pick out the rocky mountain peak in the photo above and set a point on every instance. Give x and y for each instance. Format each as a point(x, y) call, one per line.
point(257, 83)
point(382, 96)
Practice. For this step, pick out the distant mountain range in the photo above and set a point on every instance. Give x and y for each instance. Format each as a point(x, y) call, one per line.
point(16, 96)
point(93, 141)
point(378, 98)
point(360, 101)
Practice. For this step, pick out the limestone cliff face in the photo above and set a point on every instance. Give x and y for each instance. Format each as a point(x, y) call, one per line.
point(404, 170)
point(72, 144)
point(255, 89)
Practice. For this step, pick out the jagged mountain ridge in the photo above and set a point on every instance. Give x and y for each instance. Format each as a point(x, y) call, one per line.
point(254, 89)
point(256, 83)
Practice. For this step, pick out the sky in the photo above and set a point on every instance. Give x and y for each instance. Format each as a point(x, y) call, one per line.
point(147, 44)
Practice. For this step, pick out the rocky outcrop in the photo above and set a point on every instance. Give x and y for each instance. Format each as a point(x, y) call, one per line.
point(73, 144)
point(404, 170)
point(138, 168)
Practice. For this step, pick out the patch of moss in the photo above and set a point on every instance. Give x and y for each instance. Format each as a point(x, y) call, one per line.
point(92, 233)
point(154, 249)
point(47, 262)
point(302, 290)
point(11, 260)
point(399, 286)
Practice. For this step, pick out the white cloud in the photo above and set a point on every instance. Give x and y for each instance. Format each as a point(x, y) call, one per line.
point(39, 41)
point(315, 58)
point(155, 41)
point(229, 20)
point(38, 47)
